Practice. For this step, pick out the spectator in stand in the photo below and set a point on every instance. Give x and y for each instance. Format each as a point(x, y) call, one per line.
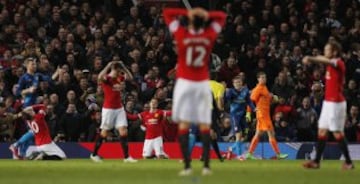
point(352, 92)
point(284, 132)
point(228, 71)
point(352, 124)
point(306, 118)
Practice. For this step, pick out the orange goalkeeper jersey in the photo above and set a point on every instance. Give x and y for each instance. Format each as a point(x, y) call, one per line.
point(261, 96)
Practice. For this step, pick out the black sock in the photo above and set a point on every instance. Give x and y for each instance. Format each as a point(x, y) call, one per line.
point(205, 138)
point(184, 146)
point(51, 157)
point(344, 148)
point(320, 148)
point(124, 145)
point(98, 144)
point(216, 148)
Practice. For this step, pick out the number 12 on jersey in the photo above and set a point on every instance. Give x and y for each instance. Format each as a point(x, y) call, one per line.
point(195, 55)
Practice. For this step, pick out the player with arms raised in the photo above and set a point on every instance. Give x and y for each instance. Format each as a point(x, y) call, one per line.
point(333, 112)
point(113, 114)
point(192, 94)
point(152, 120)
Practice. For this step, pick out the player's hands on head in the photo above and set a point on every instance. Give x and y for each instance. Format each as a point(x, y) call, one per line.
point(200, 12)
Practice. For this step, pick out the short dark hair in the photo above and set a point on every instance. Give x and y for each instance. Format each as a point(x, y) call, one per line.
point(238, 78)
point(260, 74)
point(116, 66)
point(198, 22)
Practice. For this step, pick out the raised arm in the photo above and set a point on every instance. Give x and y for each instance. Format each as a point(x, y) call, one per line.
point(171, 14)
point(103, 72)
point(128, 74)
point(318, 59)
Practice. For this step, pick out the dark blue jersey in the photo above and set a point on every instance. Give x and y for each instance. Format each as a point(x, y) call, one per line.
point(239, 100)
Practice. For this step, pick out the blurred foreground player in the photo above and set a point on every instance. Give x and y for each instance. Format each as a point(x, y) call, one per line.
point(192, 94)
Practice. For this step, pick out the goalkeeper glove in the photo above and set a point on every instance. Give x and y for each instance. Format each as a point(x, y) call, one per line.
point(248, 117)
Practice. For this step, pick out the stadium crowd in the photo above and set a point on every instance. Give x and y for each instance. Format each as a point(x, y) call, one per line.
point(73, 40)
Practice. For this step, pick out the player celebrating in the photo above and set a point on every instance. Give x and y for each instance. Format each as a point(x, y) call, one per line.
point(239, 98)
point(263, 98)
point(192, 95)
point(152, 120)
point(333, 112)
point(113, 114)
point(46, 148)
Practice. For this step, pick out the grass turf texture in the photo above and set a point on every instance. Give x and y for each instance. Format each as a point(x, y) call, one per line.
point(84, 171)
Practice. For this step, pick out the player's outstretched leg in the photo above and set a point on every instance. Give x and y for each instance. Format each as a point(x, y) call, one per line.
point(19, 148)
point(253, 144)
point(94, 156)
point(125, 148)
point(275, 147)
point(215, 145)
point(348, 164)
point(320, 146)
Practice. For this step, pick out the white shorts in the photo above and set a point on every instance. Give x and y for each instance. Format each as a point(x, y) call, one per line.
point(192, 101)
point(333, 116)
point(51, 149)
point(151, 145)
point(113, 118)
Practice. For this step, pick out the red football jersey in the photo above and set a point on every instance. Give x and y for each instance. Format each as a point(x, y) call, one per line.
point(39, 127)
point(335, 80)
point(194, 51)
point(153, 123)
point(112, 94)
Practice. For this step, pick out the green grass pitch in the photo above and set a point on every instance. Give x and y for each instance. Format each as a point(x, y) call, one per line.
point(84, 171)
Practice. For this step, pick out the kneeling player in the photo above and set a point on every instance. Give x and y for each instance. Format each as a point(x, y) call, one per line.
point(152, 120)
point(46, 149)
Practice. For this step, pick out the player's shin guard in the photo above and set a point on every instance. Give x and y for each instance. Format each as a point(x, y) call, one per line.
point(205, 138)
point(274, 145)
point(344, 148)
point(320, 148)
point(124, 145)
point(98, 144)
point(215, 145)
point(184, 146)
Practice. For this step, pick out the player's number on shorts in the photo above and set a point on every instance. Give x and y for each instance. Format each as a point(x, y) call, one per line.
point(195, 56)
point(34, 127)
